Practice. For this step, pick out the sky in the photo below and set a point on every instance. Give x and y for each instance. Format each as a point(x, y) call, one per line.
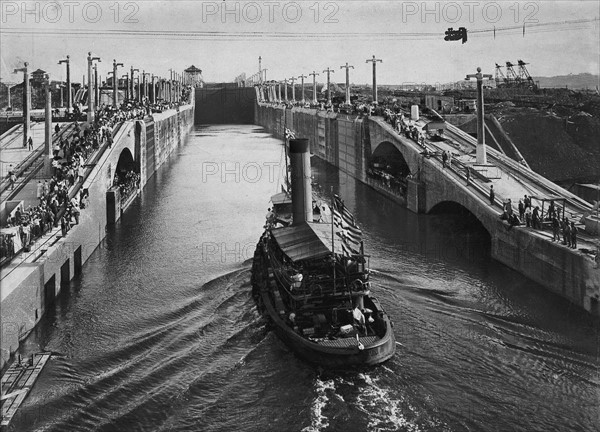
point(293, 38)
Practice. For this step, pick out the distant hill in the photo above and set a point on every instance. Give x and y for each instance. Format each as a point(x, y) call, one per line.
point(572, 81)
point(579, 81)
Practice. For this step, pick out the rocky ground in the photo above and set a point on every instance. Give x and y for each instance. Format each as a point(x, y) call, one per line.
point(561, 144)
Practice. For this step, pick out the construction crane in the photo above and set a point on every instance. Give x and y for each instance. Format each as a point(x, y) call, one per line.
point(499, 76)
point(524, 75)
point(514, 78)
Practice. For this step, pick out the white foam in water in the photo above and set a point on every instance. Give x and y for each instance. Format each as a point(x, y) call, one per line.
point(384, 412)
point(318, 420)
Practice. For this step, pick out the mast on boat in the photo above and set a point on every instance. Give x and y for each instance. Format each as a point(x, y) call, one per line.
point(285, 146)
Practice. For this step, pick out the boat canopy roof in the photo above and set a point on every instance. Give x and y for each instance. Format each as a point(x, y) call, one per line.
point(306, 241)
point(281, 198)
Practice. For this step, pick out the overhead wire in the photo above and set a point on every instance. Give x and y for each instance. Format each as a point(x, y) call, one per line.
point(530, 28)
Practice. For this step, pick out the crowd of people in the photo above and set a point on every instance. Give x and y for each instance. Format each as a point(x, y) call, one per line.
point(35, 221)
point(71, 152)
point(534, 218)
point(127, 182)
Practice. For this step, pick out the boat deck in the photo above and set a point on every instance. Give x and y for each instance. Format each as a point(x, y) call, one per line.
point(348, 342)
point(17, 382)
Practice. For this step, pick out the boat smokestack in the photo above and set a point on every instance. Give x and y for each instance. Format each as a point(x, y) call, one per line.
point(301, 181)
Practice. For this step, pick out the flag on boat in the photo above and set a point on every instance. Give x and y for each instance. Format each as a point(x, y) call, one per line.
point(347, 216)
point(348, 231)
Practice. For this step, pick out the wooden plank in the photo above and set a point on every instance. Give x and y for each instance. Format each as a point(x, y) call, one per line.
point(21, 379)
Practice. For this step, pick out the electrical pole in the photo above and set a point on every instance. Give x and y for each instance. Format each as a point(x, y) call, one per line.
point(374, 61)
point(302, 86)
point(69, 96)
point(26, 103)
point(96, 88)
point(279, 92)
point(259, 69)
point(293, 80)
point(154, 88)
point(171, 92)
point(132, 83)
point(116, 83)
point(48, 119)
point(328, 70)
point(481, 151)
point(126, 76)
point(91, 91)
point(314, 75)
point(347, 67)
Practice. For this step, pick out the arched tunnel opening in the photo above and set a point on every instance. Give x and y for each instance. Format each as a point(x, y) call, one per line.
point(388, 168)
point(461, 231)
point(127, 174)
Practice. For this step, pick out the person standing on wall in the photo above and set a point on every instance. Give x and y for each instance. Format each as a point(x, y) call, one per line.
point(573, 235)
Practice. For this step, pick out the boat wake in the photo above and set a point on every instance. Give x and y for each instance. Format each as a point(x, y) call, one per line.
point(319, 421)
point(337, 400)
point(383, 408)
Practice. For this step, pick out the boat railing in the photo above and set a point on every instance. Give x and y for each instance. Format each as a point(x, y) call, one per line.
point(301, 287)
point(353, 284)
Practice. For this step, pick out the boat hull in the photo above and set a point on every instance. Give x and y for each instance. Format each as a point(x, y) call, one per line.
point(330, 357)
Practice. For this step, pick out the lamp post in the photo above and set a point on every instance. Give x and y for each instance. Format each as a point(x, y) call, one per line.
point(96, 88)
point(314, 75)
point(69, 96)
point(302, 86)
point(138, 88)
point(328, 70)
point(481, 151)
point(259, 69)
point(48, 118)
point(26, 102)
point(91, 91)
point(132, 83)
point(62, 99)
point(154, 88)
point(293, 80)
point(171, 86)
point(374, 61)
point(126, 77)
point(115, 83)
point(347, 67)
point(145, 74)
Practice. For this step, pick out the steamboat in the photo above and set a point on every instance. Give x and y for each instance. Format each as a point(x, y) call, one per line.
point(310, 277)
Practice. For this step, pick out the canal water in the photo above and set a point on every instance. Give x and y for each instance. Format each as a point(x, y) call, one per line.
point(160, 332)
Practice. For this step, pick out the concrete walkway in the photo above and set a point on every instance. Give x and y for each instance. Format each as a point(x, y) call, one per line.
point(11, 146)
point(510, 180)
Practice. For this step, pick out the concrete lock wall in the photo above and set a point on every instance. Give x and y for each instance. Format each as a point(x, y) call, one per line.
point(34, 286)
point(348, 142)
point(222, 104)
point(557, 268)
